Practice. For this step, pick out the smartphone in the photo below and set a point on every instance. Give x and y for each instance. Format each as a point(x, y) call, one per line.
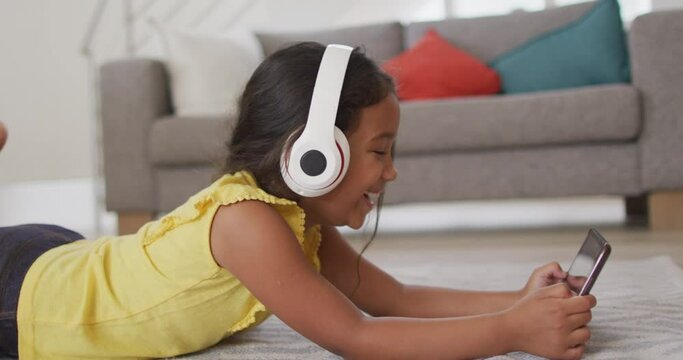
point(588, 262)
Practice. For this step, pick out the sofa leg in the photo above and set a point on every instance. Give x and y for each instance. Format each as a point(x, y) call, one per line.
point(130, 222)
point(666, 210)
point(636, 210)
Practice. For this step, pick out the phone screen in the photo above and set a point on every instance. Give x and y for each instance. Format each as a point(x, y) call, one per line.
point(588, 263)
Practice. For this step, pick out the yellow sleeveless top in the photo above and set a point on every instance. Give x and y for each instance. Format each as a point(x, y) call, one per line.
point(156, 293)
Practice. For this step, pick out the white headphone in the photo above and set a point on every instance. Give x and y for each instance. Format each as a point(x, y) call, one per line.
point(319, 158)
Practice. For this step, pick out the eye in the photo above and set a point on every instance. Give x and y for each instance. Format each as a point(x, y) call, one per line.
point(380, 152)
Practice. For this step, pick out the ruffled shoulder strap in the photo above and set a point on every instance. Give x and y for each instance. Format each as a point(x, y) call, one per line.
point(241, 186)
point(229, 189)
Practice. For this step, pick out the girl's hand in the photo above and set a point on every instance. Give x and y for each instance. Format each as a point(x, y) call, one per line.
point(546, 275)
point(550, 322)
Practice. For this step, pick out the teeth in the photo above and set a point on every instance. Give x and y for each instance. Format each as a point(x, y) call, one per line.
point(373, 197)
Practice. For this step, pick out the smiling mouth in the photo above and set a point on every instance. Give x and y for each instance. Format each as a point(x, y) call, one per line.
point(371, 198)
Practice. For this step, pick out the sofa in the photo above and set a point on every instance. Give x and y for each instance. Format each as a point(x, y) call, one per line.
point(612, 139)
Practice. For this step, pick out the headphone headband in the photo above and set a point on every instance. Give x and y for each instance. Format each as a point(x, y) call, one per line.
point(327, 91)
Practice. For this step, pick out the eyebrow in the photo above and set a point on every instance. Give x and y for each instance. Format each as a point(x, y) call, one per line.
point(384, 135)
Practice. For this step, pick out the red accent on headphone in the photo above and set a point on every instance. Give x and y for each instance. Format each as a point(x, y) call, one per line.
point(341, 155)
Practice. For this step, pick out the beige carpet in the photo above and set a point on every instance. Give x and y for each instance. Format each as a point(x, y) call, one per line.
point(639, 313)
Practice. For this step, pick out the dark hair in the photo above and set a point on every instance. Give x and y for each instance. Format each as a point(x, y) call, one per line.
point(275, 104)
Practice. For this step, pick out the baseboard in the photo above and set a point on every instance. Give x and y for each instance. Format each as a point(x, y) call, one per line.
point(70, 203)
point(501, 214)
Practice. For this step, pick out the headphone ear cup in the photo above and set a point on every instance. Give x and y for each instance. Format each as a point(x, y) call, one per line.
point(336, 160)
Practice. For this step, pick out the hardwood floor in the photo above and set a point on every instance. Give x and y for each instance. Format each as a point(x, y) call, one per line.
point(521, 245)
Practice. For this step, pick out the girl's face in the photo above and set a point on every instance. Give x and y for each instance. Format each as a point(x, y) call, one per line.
point(371, 167)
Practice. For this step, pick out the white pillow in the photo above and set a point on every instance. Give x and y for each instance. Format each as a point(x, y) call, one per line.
point(208, 73)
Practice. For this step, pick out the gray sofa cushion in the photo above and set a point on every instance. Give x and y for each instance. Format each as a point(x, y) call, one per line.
point(596, 169)
point(381, 41)
point(175, 184)
point(594, 114)
point(189, 140)
point(488, 37)
point(577, 116)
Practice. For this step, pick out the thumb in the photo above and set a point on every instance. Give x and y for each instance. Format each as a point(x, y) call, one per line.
point(560, 274)
point(555, 270)
point(559, 290)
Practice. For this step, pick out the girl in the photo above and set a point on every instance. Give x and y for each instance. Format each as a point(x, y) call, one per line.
point(248, 245)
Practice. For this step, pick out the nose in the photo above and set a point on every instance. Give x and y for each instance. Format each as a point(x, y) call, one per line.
point(390, 173)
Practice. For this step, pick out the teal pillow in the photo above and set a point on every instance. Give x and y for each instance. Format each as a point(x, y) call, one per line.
point(591, 50)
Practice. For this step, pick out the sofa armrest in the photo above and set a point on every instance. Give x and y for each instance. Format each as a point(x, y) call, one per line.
point(657, 71)
point(133, 94)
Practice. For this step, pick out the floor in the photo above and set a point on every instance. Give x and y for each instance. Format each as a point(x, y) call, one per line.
point(515, 230)
point(529, 245)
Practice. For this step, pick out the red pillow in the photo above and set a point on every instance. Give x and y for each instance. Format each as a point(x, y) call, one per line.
point(434, 68)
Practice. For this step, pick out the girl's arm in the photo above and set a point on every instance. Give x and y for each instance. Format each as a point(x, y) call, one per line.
point(379, 294)
point(252, 241)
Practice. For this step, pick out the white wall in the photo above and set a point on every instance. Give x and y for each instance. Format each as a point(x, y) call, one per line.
point(43, 90)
